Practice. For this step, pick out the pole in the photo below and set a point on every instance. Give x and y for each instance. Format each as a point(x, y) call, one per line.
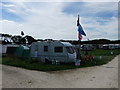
point(79, 55)
point(79, 41)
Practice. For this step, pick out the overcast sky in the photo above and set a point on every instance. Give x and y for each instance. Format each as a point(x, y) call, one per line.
point(57, 20)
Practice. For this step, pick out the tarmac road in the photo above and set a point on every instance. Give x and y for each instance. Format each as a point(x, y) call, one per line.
point(105, 76)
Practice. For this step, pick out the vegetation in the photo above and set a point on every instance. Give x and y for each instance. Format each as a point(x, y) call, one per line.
point(26, 39)
point(33, 64)
point(16, 39)
point(101, 52)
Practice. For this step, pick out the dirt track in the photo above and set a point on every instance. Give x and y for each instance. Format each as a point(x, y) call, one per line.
point(105, 76)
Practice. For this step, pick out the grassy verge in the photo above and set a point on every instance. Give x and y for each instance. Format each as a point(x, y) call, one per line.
point(101, 52)
point(34, 65)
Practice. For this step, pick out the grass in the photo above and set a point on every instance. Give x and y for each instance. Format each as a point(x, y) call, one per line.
point(101, 52)
point(35, 65)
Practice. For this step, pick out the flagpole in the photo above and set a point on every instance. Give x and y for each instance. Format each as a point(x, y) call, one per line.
point(79, 55)
point(79, 42)
point(79, 47)
point(80, 33)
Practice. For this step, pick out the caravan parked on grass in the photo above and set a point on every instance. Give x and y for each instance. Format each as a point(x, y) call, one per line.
point(111, 46)
point(9, 49)
point(53, 50)
point(87, 47)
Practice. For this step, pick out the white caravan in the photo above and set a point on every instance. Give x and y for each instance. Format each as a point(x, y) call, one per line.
point(53, 50)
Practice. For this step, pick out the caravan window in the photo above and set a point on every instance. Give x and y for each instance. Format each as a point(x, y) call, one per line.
point(36, 47)
point(70, 50)
point(45, 48)
point(58, 49)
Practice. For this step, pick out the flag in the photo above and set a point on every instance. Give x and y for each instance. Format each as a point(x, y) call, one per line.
point(79, 36)
point(80, 30)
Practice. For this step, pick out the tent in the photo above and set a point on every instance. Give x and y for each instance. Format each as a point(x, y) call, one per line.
point(10, 49)
point(22, 51)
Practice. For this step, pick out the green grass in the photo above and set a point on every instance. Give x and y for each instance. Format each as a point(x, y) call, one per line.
point(106, 56)
point(97, 61)
point(0, 60)
point(98, 52)
point(35, 65)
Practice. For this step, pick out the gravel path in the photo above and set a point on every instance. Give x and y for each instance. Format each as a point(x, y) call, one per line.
point(105, 76)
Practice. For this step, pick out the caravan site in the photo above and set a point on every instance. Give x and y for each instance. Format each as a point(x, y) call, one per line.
point(66, 44)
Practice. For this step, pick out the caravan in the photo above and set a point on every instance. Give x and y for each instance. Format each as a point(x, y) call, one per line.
point(53, 50)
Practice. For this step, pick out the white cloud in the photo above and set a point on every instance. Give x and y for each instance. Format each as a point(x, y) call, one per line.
point(12, 11)
point(4, 5)
point(48, 21)
point(18, 8)
point(102, 6)
point(108, 30)
point(10, 27)
point(62, 0)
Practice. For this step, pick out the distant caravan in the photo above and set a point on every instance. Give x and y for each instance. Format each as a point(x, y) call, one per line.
point(53, 51)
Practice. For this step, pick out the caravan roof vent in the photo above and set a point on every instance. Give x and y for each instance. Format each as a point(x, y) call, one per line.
point(48, 40)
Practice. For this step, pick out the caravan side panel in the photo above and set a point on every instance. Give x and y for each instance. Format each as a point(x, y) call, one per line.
point(58, 52)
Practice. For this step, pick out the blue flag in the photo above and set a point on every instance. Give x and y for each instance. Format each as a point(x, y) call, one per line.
point(80, 30)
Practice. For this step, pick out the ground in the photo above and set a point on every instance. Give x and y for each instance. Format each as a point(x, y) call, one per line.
point(104, 76)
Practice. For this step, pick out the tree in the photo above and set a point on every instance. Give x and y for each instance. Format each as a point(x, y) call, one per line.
point(16, 39)
point(29, 39)
point(6, 38)
point(23, 40)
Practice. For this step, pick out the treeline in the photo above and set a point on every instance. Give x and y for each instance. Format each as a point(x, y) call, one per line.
point(27, 39)
point(96, 41)
point(16, 39)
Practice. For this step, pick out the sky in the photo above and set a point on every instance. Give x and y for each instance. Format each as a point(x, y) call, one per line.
point(57, 20)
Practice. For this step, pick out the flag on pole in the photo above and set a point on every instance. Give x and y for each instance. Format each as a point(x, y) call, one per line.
point(79, 36)
point(80, 30)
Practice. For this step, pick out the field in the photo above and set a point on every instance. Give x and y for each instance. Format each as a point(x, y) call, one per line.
point(35, 65)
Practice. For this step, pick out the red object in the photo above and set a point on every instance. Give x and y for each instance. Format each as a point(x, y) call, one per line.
point(89, 57)
point(79, 36)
